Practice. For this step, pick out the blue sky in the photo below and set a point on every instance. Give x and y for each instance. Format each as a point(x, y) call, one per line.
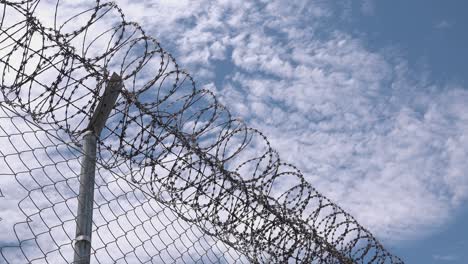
point(430, 36)
point(367, 98)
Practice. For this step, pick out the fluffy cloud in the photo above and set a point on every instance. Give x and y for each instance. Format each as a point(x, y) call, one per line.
point(377, 137)
point(386, 144)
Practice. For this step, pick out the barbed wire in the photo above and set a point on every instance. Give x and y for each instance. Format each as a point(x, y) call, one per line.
point(171, 158)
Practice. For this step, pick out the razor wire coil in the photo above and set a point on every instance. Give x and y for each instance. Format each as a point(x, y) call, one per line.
point(179, 179)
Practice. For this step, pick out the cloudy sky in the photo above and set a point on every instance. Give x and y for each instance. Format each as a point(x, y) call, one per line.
point(368, 98)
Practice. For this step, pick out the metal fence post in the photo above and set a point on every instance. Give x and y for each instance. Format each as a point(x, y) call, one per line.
point(84, 219)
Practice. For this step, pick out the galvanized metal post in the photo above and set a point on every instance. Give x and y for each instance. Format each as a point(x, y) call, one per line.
point(84, 220)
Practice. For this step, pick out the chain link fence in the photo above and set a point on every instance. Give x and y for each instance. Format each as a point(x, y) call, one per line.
point(178, 178)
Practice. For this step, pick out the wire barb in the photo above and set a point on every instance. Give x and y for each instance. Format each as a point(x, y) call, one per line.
point(178, 179)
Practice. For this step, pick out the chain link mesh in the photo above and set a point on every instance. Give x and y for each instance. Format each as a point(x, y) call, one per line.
point(178, 180)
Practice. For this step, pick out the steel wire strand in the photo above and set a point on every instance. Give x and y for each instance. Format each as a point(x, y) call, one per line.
point(211, 169)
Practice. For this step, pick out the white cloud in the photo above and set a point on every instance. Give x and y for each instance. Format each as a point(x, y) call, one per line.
point(443, 24)
point(364, 129)
point(39, 178)
point(40, 205)
point(384, 145)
